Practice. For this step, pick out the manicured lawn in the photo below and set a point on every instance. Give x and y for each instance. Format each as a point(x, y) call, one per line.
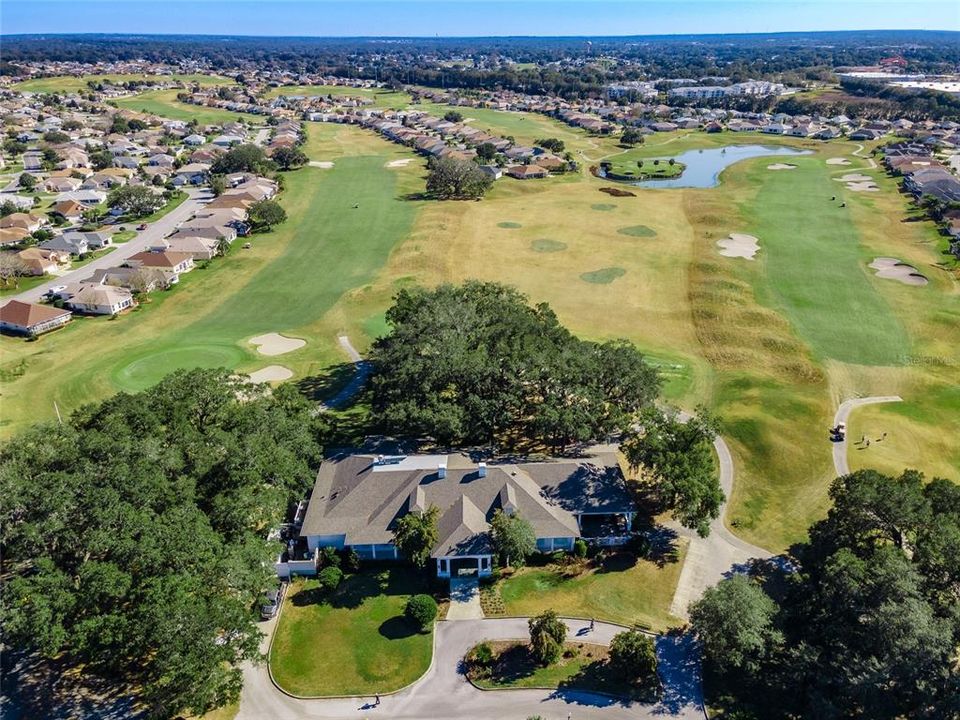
point(26, 283)
point(165, 104)
point(126, 235)
point(77, 84)
point(354, 642)
point(624, 590)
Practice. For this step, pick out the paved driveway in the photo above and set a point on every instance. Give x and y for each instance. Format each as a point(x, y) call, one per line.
point(155, 231)
point(444, 693)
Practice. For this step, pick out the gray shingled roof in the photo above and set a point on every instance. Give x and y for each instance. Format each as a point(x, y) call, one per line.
point(355, 498)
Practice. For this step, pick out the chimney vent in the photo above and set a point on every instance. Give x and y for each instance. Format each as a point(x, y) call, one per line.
point(482, 469)
point(441, 470)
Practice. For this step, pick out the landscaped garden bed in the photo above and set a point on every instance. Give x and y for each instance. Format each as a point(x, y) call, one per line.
point(353, 640)
point(586, 667)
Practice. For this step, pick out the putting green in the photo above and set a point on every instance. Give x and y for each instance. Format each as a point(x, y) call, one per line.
point(150, 368)
point(638, 231)
point(546, 245)
point(510, 225)
point(604, 276)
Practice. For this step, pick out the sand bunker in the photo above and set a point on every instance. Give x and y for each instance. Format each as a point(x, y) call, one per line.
point(739, 245)
point(869, 186)
point(276, 344)
point(781, 166)
point(838, 161)
point(854, 178)
point(325, 164)
point(271, 373)
point(399, 163)
point(893, 269)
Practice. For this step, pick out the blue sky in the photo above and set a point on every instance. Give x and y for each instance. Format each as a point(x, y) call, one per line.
point(470, 17)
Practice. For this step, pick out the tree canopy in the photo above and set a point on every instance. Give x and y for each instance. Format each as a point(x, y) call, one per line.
point(264, 214)
point(242, 158)
point(475, 363)
point(134, 534)
point(452, 179)
point(415, 535)
point(514, 539)
point(676, 459)
point(288, 158)
point(135, 200)
point(547, 635)
point(867, 625)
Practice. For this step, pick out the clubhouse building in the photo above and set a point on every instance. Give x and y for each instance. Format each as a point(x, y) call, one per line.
point(357, 500)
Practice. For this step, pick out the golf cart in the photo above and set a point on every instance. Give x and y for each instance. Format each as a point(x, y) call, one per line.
point(838, 433)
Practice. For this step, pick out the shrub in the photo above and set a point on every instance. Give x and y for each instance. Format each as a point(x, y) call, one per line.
point(580, 548)
point(547, 634)
point(351, 560)
point(421, 610)
point(329, 557)
point(481, 655)
point(329, 578)
point(632, 656)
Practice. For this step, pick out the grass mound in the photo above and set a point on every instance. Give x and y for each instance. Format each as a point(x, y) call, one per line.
point(509, 225)
point(150, 368)
point(546, 245)
point(603, 207)
point(637, 231)
point(604, 276)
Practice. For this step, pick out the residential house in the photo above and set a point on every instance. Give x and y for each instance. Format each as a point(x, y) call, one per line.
point(12, 235)
point(527, 172)
point(70, 210)
point(171, 264)
point(133, 279)
point(72, 244)
point(84, 197)
point(94, 240)
point(357, 500)
point(40, 261)
point(31, 319)
point(96, 299)
point(31, 222)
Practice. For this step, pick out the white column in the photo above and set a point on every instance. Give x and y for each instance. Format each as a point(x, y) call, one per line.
point(373, 549)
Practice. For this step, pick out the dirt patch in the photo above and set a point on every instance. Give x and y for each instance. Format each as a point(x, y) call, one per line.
point(739, 245)
point(838, 161)
point(399, 163)
point(546, 245)
point(271, 373)
point(603, 276)
point(276, 344)
point(781, 166)
point(893, 269)
point(637, 231)
point(617, 192)
point(323, 164)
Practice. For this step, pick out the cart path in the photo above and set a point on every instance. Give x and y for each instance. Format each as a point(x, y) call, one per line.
point(444, 692)
point(359, 379)
point(718, 555)
point(840, 461)
point(870, 160)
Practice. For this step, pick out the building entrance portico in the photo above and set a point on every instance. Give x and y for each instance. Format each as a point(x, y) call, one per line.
point(464, 566)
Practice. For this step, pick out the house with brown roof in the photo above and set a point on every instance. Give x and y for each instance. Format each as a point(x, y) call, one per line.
point(31, 222)
point(31, 319)
point(171, 264)
point(95, 299)
point(39, 261)
point(358, 499)
point(526, 172)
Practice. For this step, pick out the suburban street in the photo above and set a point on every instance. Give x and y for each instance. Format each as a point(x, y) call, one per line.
point(444, 692)
point(155, 231)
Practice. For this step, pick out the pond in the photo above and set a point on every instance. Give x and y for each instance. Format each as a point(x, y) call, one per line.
point(704, 166)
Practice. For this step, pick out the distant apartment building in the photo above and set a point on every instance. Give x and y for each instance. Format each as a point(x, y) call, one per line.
point(712, 92)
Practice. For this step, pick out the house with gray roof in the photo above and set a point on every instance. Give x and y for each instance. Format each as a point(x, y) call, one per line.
point(358, 499)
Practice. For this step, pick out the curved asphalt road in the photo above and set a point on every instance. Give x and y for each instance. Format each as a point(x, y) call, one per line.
point(718, 555)
point(155, 231)
point(840, 462)
point(443, 692)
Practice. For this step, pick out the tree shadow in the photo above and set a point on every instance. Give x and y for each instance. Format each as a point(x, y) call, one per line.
point(398, 628)
point(328, 383)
